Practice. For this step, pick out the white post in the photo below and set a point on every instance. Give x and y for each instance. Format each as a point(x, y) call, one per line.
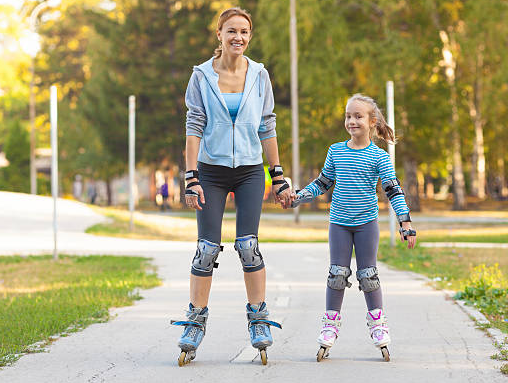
point(54, 163)
point(32, 50)
point(132, 138)
point(391, 152)
point(294, 101)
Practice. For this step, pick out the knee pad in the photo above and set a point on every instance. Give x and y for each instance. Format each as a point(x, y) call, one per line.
point(337, 277)
point(368, 279)
point(248, 251)
point(204, 260)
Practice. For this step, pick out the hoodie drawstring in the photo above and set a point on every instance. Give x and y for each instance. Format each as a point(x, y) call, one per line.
point(259, 84)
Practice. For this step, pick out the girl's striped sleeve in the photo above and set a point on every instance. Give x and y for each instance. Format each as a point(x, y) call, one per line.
point(387, 172)
point(328, 171)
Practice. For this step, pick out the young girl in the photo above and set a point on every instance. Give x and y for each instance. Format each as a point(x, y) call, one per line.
point(355, 166)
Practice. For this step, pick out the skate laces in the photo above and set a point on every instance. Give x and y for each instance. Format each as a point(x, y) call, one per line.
point(331, 320)
point(259, 330)
point(192, 332)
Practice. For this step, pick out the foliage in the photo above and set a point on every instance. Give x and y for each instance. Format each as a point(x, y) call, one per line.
point(478, 278)
point(16, 176)
point(99, 57)
point(487, 289)
point(41, 298)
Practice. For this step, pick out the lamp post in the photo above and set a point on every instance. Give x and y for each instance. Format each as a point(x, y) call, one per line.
point(32, 51)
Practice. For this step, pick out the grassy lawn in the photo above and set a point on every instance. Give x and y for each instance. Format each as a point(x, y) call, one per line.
point(492, 233)
point(41, 299)
point(479, 275)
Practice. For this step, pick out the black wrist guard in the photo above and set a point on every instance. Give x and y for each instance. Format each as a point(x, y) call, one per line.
point(276, 171)
point(190, 174)
point(407, 233)
point(284, 186)
point(189, 191)
point(403, 218)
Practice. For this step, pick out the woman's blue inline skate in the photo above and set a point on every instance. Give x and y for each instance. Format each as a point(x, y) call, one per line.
point(259, 328)
point(195, 329)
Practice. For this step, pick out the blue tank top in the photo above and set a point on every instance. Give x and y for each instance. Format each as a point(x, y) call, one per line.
point(233, 103)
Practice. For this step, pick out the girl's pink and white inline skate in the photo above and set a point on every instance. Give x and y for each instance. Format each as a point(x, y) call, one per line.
point(379, 331)
point(329, 333)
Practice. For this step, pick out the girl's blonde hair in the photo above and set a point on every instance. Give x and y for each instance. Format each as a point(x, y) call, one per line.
point(225, 16)
point(382, 130)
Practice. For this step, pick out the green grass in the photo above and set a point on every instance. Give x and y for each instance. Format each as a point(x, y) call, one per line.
point(41, 298)
point(494, 238)
point(478, 275)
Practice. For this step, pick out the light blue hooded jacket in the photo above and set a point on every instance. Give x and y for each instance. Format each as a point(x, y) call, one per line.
point(222, 142)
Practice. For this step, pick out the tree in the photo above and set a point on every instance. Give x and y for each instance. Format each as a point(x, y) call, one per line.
point(16, 176)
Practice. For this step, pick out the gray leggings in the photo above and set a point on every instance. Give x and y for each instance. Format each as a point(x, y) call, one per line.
point(365, 239)
point(248, 184)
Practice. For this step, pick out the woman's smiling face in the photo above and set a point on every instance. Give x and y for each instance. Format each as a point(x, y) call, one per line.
point(235, 35)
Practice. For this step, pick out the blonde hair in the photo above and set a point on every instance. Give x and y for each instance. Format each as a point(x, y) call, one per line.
point(225, 16)
point(382, 130)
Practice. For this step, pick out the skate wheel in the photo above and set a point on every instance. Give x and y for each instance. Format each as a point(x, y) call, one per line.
point(321, 354)
point(181, 359)
point(385, 353)
point(264, 359)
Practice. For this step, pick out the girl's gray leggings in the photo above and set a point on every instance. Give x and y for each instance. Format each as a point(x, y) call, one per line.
point(365, 239)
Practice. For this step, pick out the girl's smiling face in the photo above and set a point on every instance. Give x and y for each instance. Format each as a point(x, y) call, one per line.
point(358, 122)
point(234, 35)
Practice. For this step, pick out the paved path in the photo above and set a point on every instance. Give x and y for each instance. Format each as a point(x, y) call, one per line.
point(433, 340)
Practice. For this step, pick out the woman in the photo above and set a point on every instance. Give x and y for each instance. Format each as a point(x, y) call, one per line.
point(230, 123)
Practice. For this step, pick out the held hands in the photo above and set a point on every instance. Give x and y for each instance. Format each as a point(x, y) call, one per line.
point(284, 197)
point(404, 231)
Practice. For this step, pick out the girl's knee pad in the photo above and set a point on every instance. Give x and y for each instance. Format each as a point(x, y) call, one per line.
point(337, 277)
point(368, 279)
point(248, 251)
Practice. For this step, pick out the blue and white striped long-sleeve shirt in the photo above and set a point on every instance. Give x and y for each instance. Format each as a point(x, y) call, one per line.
point(356, 172)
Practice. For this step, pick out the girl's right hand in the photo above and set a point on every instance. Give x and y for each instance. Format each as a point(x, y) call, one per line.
point(411, 239)
point(287, 203)
point(192, 201)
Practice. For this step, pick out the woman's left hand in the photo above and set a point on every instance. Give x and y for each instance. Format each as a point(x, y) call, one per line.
point(283, 197)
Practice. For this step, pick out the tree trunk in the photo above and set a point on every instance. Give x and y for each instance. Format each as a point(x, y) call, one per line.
point(503, 189)
point(449, 48)
point(411, 184)
point(459, 188)
point(181, 173)
point(429, 187)
point(109, 191)
point(478, 158)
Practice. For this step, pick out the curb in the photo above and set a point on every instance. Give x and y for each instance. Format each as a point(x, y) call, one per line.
point(500, 339)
